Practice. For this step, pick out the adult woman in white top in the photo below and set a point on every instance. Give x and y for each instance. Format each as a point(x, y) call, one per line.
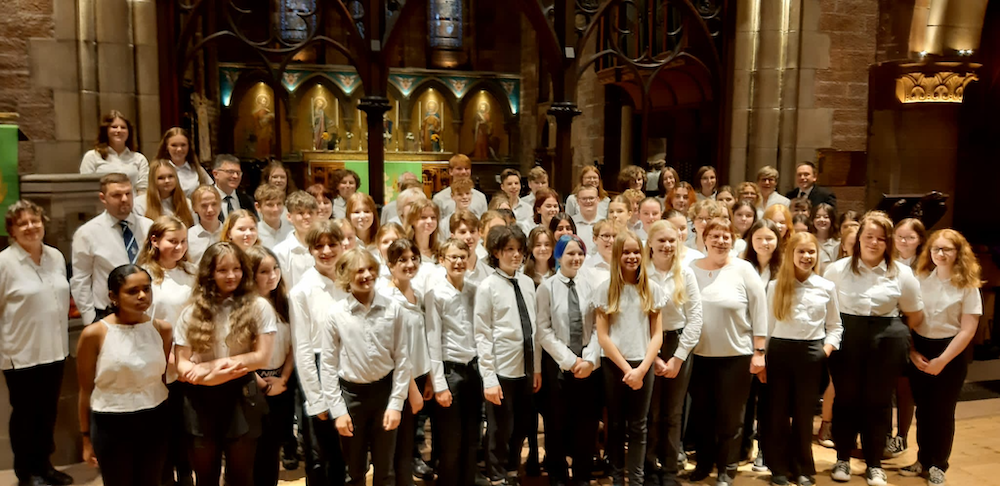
point(121, 366)
point(221, 338)
point(949, 282)
point(175, 147)
point(589, 176)
point(873, 290)
point(166, 198)
point(731, 348)
point(630, 332)
point(707, 183)
point(114, 151)
point(803, 328)
point(571, 405)
point(164, 257)
point(681, 316)
point(34, 322)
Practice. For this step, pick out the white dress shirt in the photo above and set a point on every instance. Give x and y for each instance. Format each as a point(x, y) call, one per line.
point(481, 252)
point(478, 206)
point(224, 206)
point(734, 309)
point(388, 213)
point(362, 345)
point(828, 251)
point(413, 319)
point(676, 317)
point(293, 258)
point(689, 255)
point(874, 291)
point(629, 327)
point(776, 198)
point(172, 294)
point(98, 248)
point(132, 164)
point(573, 207)
point(944, 305)
point(523, 211)
point(499, 337)
point(281, 348)
point(266, 323)
point(189, 177)
point(450, 327)
point(270, 237)
point(553, 320)
point(596, 270)
point(585, 230)
point(701, 197)
point(199, 239)
point(34, 308)
point(339, 208)
point(309, 303)
point(814, 313)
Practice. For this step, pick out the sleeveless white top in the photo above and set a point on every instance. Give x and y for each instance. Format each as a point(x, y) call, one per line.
point(130, 369)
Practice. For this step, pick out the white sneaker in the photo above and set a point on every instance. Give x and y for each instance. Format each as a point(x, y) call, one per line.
point(876, 476)
point(935, 476)
point(841, 472)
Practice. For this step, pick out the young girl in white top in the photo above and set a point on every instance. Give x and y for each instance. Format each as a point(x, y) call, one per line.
point(803, 328)
point(275, 377)
point(824, 220)
point(681, 317)
point(873, 290)
point(205, 201)
point(121, 362)
point(630, 332)
point(167, 198)
point(422, 227)
point(949, 282)
point(240, 229)
point(114, 151)
point(221, 338)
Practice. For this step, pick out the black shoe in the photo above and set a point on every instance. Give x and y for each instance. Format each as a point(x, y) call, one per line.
point(699, 474)
point(532, 469)
point(601, 467)
point(779, 481)
point(290, 458)
point(33, 481)
point(653, 477)
point(421, 469)
point(57, 478)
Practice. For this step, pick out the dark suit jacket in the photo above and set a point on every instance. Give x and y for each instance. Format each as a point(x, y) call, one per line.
point(246, 202)
point(816, 196)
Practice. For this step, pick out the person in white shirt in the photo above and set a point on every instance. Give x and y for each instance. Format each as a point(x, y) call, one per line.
point(588, 214)
point(270, 203)
point(681, 318)
point(363, 215)
point(589, 176)
point(767, 181)
point(910, 236)
point(764, 250)
point(240, 229)
point(293, 252)
point(650, 211)
point(824, 220)
point(365, 368)
point(509, 354)
point(680, 223)
point(700, 214)
point(873, 290)
point(510, 182)
point(461, 199)
point(324, 201)
point(630, 333)
point(726, 197)
point(205, 202)
point(950, 278)
point(405, 181)
point(620, 211)
point(668, 180)
point(121, 367)
point(803, 329)
point(421, 225)
point(540, 262)
point(707, 183)
point(114, 152)
point(34, 323)
point(165, 197)
point(572, 394)
point(597, 266)
point(111, 239)
point(309, 302)
point(734, 309)
point(175, 147)
point(538, 179)
point(460, 167)
point(465, 227)
point(228, 175)
point(487, 221)
point(346, 182)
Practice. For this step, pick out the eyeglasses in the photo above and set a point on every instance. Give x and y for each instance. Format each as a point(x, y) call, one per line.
point(588, 199)
point(456, 258)
point(907, 239)
point(943, 251)
point(606, 237)
point(235, 172)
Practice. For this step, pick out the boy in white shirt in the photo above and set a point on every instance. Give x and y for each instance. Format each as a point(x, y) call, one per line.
point(293, 254)
point(270, 204)
point(206, 203)
point(587, 198)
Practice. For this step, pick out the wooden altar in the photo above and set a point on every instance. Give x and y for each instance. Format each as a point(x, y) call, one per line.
point(431, 167)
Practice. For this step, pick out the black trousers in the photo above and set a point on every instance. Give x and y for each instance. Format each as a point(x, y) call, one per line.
point(131, 447)
point(458, 427)
point(873, 354)
point(571, 409)
point(627, 415)
point(755, 418)
point(719, 390)
point(366, 403)
point(276, 427)
point(794, 372)
point(936, 397)
point(663, 443)
point(34, 399)
point(177, 459)
point(405, 439)
point(509, 419)
point(321, 446)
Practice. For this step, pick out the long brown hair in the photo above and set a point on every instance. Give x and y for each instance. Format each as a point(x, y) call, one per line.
point(360, 199)
point(149, 257)
point(206, 301)
point(154, 205)
point(784, 285)
point(601, 193)
point(414, 215)
point(530, 262)
point(279, 296)
point(880, 220)
point(966, 274)
point(101, 144)
point(273, 165)
point(617, 284)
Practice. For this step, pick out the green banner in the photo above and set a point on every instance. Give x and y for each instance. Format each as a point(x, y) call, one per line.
point(392, 172)
point(8, 170)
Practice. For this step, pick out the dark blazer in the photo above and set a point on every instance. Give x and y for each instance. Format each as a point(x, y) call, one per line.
point(246, 202)
point(816, 196)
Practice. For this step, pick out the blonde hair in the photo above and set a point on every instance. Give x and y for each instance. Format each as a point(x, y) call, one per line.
point(715, 209)
point(154, 206)
point(231, 220)
point(149, 258)
point(676, 265)
point(360, 199)
point(200, 192)
point(411, 219)
point(617, 284)
point(784, 285)
point(758, 200)
point(206, 301)
point(350, 262)
point(966, 273)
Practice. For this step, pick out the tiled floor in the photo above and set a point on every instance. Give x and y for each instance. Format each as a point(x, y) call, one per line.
point(975, 460)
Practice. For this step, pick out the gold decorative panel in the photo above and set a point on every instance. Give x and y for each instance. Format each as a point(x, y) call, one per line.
point(943, 87)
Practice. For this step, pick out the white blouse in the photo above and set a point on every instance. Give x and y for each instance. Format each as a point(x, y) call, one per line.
point(34, 308)
point(944, 305)
point(499, 336)
point(450, 328)
point(189, 177)
point(734, 309)
point(130, 367)
point(553, 320)
point(814, 314)
point(573, 208)
point(132, 164)
point(874, 291)
point(413, 319)
point(293, 258)
point(266, 322)
point(629, 327)
point(689, 317)
point(171, 295)
point(199, 239)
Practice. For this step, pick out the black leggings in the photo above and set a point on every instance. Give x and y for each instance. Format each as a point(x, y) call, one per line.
point(936, 398)
point(666, 411)
point(627, 416)
point(794, 371)
point(131, 447)
point(719, 390)
point(275, 429)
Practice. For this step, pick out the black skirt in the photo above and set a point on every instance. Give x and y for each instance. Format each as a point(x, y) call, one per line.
point(228, 411)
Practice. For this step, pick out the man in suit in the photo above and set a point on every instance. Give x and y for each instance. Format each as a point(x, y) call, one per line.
point(805, 178)
point(228, 175)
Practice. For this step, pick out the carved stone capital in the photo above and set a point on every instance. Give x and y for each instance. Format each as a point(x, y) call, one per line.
point(564, 109)
point(940, 87)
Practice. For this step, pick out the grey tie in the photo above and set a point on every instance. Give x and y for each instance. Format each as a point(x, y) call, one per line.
point(575, 320)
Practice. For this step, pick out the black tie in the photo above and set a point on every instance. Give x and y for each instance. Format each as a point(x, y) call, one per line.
point(529, 349)
point(229, 208)
point(575, 320)
point(131, 247)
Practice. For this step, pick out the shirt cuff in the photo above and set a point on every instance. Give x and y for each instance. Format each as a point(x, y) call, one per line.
point(338, 411)
point(395, 404)
point(681, 354)
point(314, 409)
point(490, 381)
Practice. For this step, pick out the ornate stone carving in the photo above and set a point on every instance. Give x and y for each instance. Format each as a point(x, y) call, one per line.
point(942, 87)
